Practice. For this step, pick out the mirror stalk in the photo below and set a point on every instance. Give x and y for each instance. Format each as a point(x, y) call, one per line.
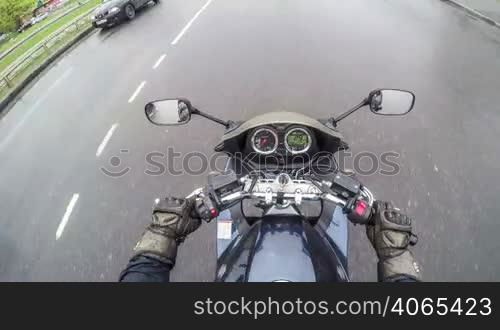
point(212, 118)
point(334, 121)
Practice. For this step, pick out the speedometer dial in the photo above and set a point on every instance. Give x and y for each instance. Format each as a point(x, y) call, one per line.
point(264, 141)
point(297, 140)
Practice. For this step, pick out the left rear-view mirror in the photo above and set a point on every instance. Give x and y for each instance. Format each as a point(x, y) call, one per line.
point(169, 112)
point(391, 102)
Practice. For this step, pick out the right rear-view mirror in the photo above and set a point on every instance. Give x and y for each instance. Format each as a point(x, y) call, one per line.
point(391, 102)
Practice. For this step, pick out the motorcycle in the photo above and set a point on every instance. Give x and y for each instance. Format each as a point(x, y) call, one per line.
point(282, 205)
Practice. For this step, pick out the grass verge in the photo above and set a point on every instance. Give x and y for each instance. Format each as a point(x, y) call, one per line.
point(16, 37)
point(20, 51)
point(39, 58)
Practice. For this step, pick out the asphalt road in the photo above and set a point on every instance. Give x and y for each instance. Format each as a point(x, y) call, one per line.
point(238, 59)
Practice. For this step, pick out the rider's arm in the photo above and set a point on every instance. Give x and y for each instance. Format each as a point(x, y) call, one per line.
point(155, 253)
point(145, 268)
point(403, 279)
point(390, 234)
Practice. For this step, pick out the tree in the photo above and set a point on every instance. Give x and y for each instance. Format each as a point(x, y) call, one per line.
point(11, 12)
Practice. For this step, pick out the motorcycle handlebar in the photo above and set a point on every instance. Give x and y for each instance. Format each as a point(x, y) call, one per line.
point(357, 208)
point(272, 196)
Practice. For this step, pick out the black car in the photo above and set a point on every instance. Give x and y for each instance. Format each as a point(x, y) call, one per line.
point(112, 12)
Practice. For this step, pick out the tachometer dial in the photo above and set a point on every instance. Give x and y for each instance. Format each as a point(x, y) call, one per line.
point(298, 140)
point(264, 141)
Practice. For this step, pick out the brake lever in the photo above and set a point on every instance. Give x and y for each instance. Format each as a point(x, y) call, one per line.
point(197, 192)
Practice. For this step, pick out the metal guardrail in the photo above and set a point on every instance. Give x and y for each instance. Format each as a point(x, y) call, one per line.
point(34, 33)
point(11, 72)
point(478, 13)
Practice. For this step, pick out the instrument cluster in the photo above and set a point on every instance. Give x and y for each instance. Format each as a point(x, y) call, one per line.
point(279, 140)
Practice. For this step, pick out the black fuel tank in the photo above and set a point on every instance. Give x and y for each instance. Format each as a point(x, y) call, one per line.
point(281, 248)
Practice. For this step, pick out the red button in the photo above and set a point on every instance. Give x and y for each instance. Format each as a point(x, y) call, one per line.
point(361, 207)
point(214, 213)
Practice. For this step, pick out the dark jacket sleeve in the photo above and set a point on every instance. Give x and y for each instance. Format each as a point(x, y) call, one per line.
point(146, 269)
point(149, 269)
point(402, 279)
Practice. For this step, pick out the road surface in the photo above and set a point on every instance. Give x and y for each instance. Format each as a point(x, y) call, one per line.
point(62, 219)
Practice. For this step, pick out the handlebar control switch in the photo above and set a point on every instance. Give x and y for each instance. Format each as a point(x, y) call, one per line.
point(347, 184)
point(206, 210)
point(221, 184)
point(358, 211)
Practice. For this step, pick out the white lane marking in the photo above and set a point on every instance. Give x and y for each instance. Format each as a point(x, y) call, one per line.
point(137, 91)
point(67, 214)
point(106, 140)
point(34, 107)
point(188, 25)
point(157, 64)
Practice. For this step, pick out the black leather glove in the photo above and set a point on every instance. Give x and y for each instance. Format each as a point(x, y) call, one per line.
point(390, 234)
point(172, 222)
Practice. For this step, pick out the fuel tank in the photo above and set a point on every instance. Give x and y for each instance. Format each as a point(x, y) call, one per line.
point(281, 249)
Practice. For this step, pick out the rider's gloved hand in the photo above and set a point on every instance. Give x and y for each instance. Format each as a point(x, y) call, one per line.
point(172, 222)
point(390, 234)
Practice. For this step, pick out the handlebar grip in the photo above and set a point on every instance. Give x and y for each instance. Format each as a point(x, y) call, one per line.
point(194, 212)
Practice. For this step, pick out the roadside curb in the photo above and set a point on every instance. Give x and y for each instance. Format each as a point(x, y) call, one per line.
point(474, 13)
point(17, 90)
